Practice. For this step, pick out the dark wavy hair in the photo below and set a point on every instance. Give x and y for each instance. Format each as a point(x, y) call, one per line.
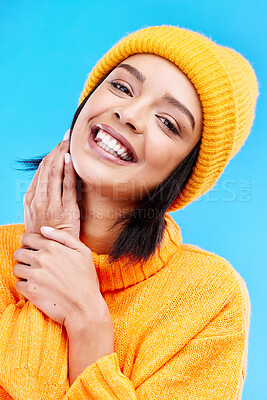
point(141, 229)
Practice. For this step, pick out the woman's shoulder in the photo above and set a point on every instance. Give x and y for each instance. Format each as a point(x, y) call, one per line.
point(210, 265)
point(210, 278)
point(10, 235)
point(12, 227)
point(222, 287)
point(200, 262)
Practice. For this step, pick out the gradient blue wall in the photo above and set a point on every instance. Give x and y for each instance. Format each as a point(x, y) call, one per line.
point(48, 48)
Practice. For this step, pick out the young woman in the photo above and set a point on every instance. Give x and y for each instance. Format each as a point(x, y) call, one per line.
point(108, 303)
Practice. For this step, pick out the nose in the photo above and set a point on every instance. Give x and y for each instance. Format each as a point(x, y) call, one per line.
point(130, 118)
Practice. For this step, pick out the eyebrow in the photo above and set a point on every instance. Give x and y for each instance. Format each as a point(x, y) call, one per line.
point(133, 71)
point(167, 97)
point(174, 102)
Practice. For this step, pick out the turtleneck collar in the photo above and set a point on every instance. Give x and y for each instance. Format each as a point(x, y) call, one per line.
point(117, 275)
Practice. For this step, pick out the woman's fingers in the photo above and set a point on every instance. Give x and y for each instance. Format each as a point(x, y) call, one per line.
point(33, 185)
point(55, 173)
point(53, 190)
point(69, 195)
point(46, 177)
point(21, 271)
point(31, 189)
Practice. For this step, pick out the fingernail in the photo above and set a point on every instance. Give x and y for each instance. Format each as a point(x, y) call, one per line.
point(67, 134)
point(67, 158)
point(48, 228)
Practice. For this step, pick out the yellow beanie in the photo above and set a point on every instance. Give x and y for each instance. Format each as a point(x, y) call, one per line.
point(226, 85)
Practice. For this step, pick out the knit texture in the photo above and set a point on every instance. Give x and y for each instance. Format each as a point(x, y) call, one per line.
point(181, 325)
point(226, 85)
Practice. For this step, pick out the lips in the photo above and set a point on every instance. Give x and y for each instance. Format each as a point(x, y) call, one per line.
point(117, 136)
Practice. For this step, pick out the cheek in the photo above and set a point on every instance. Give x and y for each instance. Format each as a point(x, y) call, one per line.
point(93, 107)
point(161, 158)
point(162, 154)
point(98, 103)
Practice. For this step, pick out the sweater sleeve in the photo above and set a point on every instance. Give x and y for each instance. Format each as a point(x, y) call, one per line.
point(211, 366)
point(204, 375)
point(33, 348)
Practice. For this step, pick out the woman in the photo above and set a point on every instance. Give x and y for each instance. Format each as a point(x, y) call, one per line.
point(109, 303)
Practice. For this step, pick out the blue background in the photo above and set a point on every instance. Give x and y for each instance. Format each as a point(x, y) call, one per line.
point(47, 50)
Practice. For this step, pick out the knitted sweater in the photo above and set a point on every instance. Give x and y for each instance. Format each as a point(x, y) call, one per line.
point(181, 330)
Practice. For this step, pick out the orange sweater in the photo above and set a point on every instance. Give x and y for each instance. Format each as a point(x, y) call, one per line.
point(181, 330)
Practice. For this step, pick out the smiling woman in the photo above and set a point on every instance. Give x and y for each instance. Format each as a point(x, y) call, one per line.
point(144, 315)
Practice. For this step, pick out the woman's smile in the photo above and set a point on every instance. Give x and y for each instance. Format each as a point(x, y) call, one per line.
point(106, 141)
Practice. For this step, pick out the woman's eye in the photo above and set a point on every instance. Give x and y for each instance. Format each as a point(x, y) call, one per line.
point(120, 87)
point(169, 125)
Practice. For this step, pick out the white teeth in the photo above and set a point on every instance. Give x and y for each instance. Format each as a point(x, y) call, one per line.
point(106, 139)
point(112, 143)
point(120, 151)
point(105, 147)
point(100, 134)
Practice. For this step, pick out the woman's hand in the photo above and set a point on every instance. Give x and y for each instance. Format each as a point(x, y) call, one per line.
point(60, 279)
point(51, 200)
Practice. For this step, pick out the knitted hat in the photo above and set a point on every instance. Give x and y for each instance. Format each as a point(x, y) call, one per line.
point(226, 85)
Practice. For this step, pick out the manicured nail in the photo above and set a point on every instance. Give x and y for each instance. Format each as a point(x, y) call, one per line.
point(67, 134)
point(48, 228)
point(67, 158)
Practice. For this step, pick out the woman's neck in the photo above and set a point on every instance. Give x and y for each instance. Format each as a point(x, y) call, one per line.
point(98, 214)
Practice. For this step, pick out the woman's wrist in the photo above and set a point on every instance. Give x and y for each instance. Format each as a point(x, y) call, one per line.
point(88, 342)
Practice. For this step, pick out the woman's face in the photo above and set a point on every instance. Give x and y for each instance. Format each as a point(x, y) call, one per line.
point(151, 106)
